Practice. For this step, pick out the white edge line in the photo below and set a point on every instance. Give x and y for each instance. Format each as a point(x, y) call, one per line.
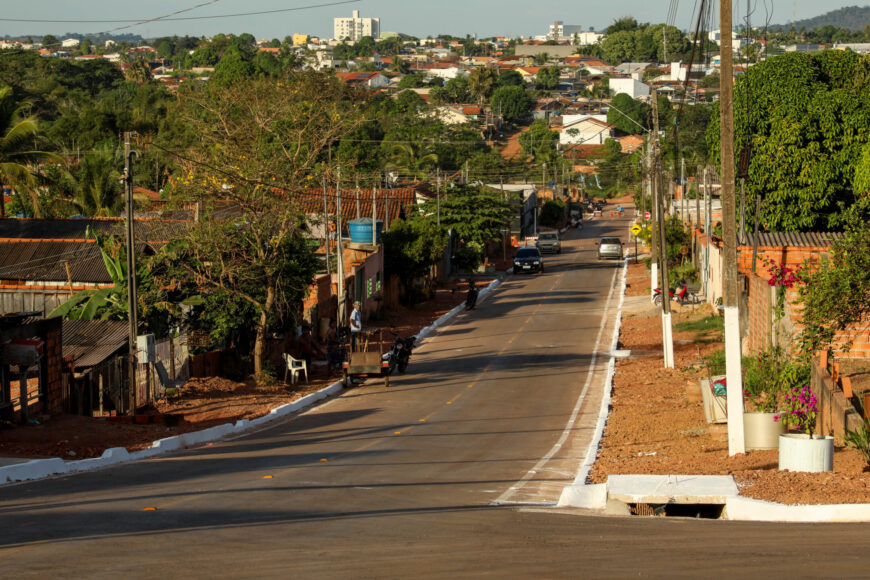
point(504, 498)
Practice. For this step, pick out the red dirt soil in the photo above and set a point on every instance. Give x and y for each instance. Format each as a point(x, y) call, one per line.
point(657, 426)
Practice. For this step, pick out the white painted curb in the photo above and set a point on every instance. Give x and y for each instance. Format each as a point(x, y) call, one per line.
point(576, 490)
point(41, 468)
point(446, 318)
point(756, 510)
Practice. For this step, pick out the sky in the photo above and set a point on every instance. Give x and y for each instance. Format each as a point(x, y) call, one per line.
point(419, 18)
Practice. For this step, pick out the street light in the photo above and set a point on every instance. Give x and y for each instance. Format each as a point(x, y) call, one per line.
point(504, 233)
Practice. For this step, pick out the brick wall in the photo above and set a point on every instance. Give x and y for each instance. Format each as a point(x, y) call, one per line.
point(53, 389)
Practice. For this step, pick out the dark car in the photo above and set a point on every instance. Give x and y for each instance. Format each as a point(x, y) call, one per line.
point(549, 242)
point(528, 260)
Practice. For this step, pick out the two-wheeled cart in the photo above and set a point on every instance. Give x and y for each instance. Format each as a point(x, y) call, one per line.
point(367, 358)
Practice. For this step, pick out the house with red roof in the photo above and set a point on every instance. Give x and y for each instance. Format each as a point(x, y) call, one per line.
point(374, 80)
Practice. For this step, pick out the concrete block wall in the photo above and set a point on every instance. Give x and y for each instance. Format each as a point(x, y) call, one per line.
point(53, 389)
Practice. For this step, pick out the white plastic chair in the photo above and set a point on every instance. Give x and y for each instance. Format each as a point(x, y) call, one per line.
point(294, 366)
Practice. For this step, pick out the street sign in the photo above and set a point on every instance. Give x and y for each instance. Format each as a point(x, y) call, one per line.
point(635, 229)
point(647, 215)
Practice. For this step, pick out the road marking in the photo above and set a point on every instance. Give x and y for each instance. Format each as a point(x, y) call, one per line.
point(397, 432)
point(505, 497)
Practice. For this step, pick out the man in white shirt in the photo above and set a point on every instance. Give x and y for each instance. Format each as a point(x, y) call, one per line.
point(355, 325)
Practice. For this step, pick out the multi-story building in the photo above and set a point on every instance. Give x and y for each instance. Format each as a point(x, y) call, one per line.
point(354, 28)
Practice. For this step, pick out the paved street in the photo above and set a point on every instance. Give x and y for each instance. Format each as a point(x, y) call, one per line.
point(449, 472)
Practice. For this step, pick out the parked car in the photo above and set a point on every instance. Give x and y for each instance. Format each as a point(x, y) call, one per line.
point(549, 242)
point(528, 260)
point(610, 248)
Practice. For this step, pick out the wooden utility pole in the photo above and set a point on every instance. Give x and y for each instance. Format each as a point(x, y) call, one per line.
point(342, 306)
point(729, 234)
point(131, 273)
point(326, 226)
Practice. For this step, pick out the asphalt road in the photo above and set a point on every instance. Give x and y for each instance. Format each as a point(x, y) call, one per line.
point(446, 473)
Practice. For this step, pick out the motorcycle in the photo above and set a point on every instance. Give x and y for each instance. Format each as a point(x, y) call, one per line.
point(399, 354)
point(471, 297)
point(682, 295)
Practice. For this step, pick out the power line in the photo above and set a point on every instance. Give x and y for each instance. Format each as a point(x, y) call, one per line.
point(165, 19)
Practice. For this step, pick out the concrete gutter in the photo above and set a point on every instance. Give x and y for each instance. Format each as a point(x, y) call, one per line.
point(41, 468)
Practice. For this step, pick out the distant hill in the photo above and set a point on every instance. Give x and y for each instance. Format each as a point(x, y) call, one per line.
point(854, 18)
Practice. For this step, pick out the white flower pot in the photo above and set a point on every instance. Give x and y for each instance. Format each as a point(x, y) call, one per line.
point(760, 431)
point(802, 452)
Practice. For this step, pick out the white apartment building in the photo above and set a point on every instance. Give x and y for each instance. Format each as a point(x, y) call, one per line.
point(572, 33)
point(354, 28)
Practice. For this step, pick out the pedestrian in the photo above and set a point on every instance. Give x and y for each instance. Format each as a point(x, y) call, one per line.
point(334, 354)
point(355, 325)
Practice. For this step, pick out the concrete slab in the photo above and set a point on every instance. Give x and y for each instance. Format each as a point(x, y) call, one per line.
point(671, 488)
point(638, 304)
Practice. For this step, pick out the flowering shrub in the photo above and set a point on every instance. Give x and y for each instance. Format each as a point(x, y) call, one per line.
point(782, 278)
point(801, 409)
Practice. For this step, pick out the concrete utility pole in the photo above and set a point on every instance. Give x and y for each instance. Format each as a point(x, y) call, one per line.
point(438, 198)
point(375, 215)
point(729, 234)
point(131, 272)
point(698, 182)
point(664, 283)
point(653, 187)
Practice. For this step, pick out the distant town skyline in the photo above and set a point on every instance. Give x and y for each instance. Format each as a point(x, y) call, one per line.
point(483, 18)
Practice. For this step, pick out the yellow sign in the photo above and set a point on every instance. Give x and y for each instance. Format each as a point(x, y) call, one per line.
point(635, 229)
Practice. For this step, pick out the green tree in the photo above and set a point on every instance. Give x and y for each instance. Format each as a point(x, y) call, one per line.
point(628, 115)
point(510, 78)
point(257, 141)
point(552, 213)
point(547, 78)
point(50, 41)
point(413, 160)
point(98, 191)
point(540, 141)
point(482, 82)
point(411, 248)
point(412, 81)
point(513, 103)
point(803, 119)
point(17, 155)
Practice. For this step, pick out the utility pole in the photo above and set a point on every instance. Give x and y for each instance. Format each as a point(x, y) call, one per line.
point(684, 205)
point(708, 227)
point(742, 230)
point(131, 273)
point(698, 180)
point(662, 245)
point(342, 307)
point(375, 215)
point(358, 215)
point(729, 234)
point(438, 197)
point(326, 225)
point(653, 187)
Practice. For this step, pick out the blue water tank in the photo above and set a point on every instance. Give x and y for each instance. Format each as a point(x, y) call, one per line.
point(361, 230)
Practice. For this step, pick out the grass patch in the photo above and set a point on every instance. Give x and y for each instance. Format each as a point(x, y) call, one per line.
point(702, 326)
point(715, 362)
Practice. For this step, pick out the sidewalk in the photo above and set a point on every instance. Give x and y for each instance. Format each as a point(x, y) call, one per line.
point(658, 451)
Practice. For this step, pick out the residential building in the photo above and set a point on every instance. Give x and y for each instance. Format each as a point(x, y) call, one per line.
point(300, 39)
point(631, 86)
point(70, 43)
point(561, 31)
point(586, 131)
point(354, 28)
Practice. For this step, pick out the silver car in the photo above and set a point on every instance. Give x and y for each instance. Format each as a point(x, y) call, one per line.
point(549, 242)
point(610, 248)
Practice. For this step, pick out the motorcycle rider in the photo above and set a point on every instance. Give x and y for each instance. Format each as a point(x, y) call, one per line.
point(471, 297)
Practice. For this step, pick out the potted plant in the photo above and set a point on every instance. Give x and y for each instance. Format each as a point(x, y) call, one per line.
point(803, 450)
point(765, 377)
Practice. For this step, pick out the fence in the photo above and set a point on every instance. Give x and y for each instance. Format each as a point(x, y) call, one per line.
point(170, 356)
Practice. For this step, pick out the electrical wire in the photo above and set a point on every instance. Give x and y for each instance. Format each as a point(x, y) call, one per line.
point(166, 19)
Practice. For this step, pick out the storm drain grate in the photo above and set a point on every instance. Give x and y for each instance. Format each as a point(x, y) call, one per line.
point(711, 511)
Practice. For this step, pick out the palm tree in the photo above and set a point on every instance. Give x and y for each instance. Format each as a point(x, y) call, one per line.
point(99, 187)
point(17, 161)
point(412, 159)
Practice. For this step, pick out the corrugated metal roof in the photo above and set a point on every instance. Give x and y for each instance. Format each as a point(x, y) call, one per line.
point(90, 342)
point(76, 229)
point(44, 261)
point(799, 239)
